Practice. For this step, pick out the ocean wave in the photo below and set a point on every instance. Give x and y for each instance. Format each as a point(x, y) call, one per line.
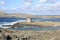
point(4, 24)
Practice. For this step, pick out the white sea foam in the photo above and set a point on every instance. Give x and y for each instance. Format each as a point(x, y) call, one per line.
point(12, 23)
point(4, 24)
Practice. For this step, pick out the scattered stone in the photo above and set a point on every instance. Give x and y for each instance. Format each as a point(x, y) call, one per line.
point(29, 35)
point(8, 37)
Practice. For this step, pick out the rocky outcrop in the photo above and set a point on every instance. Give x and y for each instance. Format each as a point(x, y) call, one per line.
point(7, 34)
point(36, 24)
point(17, 25)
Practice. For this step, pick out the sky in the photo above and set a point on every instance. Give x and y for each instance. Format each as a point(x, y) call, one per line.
point(35, 7)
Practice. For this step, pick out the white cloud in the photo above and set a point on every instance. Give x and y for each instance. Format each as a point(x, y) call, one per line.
point(57, 4)
point(39, 7)
point(52, 1)
point(52, 8)
point(43, 0)
point(2, 3)
point(27, 5)
point(27, 0)
point(13, 8)
point(44, 7)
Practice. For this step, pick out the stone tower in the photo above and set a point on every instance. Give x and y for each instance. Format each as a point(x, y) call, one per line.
point(29, 19)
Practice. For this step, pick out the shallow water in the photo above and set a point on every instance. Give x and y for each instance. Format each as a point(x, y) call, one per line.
point(46, 19)
point(10, 21)
point(37, 28)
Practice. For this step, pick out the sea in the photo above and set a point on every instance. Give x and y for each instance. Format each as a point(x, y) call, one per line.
point(12, 20)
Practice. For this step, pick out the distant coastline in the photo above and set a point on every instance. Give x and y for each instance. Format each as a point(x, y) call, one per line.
point(2, 14)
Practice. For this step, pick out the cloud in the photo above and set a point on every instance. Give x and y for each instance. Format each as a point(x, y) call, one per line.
point(2, 3)
point(44, 7)
point(17, 8)
point(43, 0)
point(50, 8)
point(27, 0)
point(27, 5)
point(52, 1)
point(13, 8)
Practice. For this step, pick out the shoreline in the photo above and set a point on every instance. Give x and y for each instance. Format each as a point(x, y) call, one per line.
point(28, 15)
